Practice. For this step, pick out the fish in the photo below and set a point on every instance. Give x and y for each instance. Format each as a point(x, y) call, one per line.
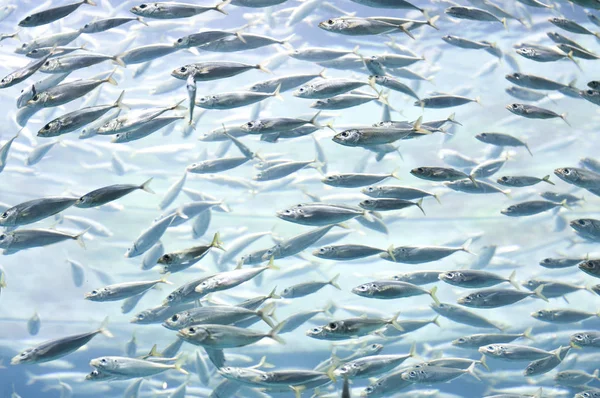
point(53, 14)
point(168, 10)
point(122, 291)
point(534, 112)
point(104, 195)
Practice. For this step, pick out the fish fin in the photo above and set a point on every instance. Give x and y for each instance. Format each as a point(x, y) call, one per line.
point(512, 280)
point(110, 79)
point(314, 122)
point(528, 149)
point(298, 390)
point(390, 251)
point(322, 74)
point(405, 29)
point(177, 106)
point(178, 365)
point(596, 373)
point(2, 280)
point(538, 293)
point(575, 346)
point(563, 116)
point(119, 61)
point(394, 322)
point(503, 20)
point(564, 204)
point(153, 352)
point(273, 334)
point(547, 179)
point(538, 393)
point(119, 102)
point(272, 265)
point(436, 321)
point(419, 204)
point(263, 313)
point(216, 242)
point(527, 334)
point(331, 374)
point(470, 370)
point(395, 174)
point(79, 237)
point(413, 351)
point(89, 2)
point(437, 198)
point(276, 93)
point(273, 295)
point(333, 282)
point(483, 363)
point(432, 294)
point(219, 7)
point(146, 186)
point(263, 68)
point(431, 21)
point(31, 378)
point(103, 330)
point(141, 20)
point(164, 279)
point(465, 247)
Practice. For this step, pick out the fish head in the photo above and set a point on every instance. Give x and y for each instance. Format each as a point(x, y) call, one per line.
point(30, 20)
point(557, 21)
point(492, 349)
point(509, 210)
point(368, 204)
point(324, 252)
point(452, 277)
point(145, 9)
point(254, 126)
point(331, 179)
point(141, 317)
point(26, 356)
point(51, 129)
point(374, 348)
point(84, 202)
point(274, 251)
point(583, 225)
point(515, 78)
point(414, 374)
point(6, 81)
point(347, 137)
point(50, 65)
point(111, 125)
point(97, 294)
point(527, 52)
point(97, 375)
point(173, 297)
point(460, 341)
point(183, 71)
point(177, 321)
point(581, 339)
point(449, 39)
point(531, 284)
point(590, 266)
point(422, 172)
point(38, 99)
point(304, 91)
point(469, 299)
point(167, 259)
point(207, 286)
point(334, 24)
point(590, 94)
point(7, 219)
point(104, 363)
point(6, 240)
point(319, 104)
point(182, 42)
point(532, 368)
point(554, 36)
point(207, 100)
point(517, 109)
point(24, 49)
point(196, 333)
point(542, 315)
point(292, 214)
point(567, 174)
point(506, 180)
point(371, 191)
point(317, 332)
point(366, 289)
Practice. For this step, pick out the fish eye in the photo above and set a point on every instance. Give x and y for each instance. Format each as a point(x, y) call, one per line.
point(4, 215)
point(462, 340)
point(47, 63)
point(192, 330)
point(413, 373)
point(141, 317)
point(330, 22)
point(369, 390)
point(546, 260)
point(590, 92)
point(47, 127)
point(330, 178)
point(332, 325)
point(179, 40)
point(142, 6)
point(24, 45)
point(87, 25)
point(450, 275)
point(175, 317)
point(301, 89)
point(420, 170)
point(36, 97)
point(504, 178)
point(345, 134)
point(2, 237)
point(249, 124)
point(264, 377)
point(103, 360)
point(581, 222)
point(94, 292)
point(540, 313)
point(183, 69)
point(362, 287)
point(490, 348)
point(515, 106)
point(170, 297)
point(315, 330)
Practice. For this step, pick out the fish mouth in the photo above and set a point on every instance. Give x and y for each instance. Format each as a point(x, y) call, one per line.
point(15, 360)
point(95, 363)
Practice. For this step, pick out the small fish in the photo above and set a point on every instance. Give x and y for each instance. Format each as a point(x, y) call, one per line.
point(473, 14)
point(522, 181)
point(530, 208)
point(123, 368)
point(180, 260)
point(320, 214)
point(461, 315)
point(420, 254)
point(513, 352)
point(473, 279)
point(304, 289)
point(562, 315)
point(444, 101)
point(350, 327)
point(52, 14)
point(571, 26)
point(346, 252)
point(35, 210)
point(575, 378)
point(480, 340)
point(102, 25)
point(224, 336)
point(23, 239)
point(435, 374)
point(497, 297)
point(500, 139)
point(110, 193)
point(175, 10)
point(534, 112)
point(122, 291)
point(439, 174)
point(387, 290)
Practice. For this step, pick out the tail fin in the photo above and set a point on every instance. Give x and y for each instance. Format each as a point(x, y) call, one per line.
point(394, 322)
point(512, 280)
point(547, 179)
point(419, 204)
point(483, 362)
point(436, 321)
point(119, 61)
point(79, 237)
point(527, 334)
point(264, 313)
point(274, 333)
point(273, 295)
point(219, 7)
point(465, 247)
point(563, 116)
point(141, 20)
point(146, 186)
point(103, 330)
point(263, 68)
point(538, 293)
point(164, 279)
point(119, 102)
point(110, 80)
point(313, 120)
point(276, 93)
point(333, 282)
point(178, 364)
point(432, 294)
point(528, 150)
point(89, 2)
point(216, 242)
point(470, 370)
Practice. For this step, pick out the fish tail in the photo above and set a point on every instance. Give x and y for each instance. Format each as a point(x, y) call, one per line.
point(263, 313)
point(413, 350)
point(119, 61)
point(322, 74)
point(331, 374)
point(503, 20)
point(527, 334)
point(219, 7)
point(436, 321)
point(262, 67)
point(471, 370)
point(452, 119)
point(564, 204)
point(465, 247)
point(431, 21)
point(276, 93)
point(395, 174)
point(216, 242)
point(563, 116)
point(89, 2)
point(547, 179)
point(146, 186)
point(272, 265)
point(273, 295)
point(119, 102)
point(104, 330)
point(570, 56)
point(528, 150)
point(507, 193)
point(404, 28)
point(333, 282)
point(178, 366)
point(177, 106)
point(512, 280)
point(79, 237)
point(142, 21)
point(2, 280)
point(31, 378)
point(419, 204)
point(390, 251)
point(110, 80)
point(437, 198)
point(483, 362)
point(394, 322)
point(433, 296)
point(314, 122)
point(153, 352)
point(538, 293)
point(164, 279)
point(274, 333)
point(298, 390)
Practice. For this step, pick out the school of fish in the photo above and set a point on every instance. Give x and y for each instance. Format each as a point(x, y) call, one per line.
point(300, 198)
